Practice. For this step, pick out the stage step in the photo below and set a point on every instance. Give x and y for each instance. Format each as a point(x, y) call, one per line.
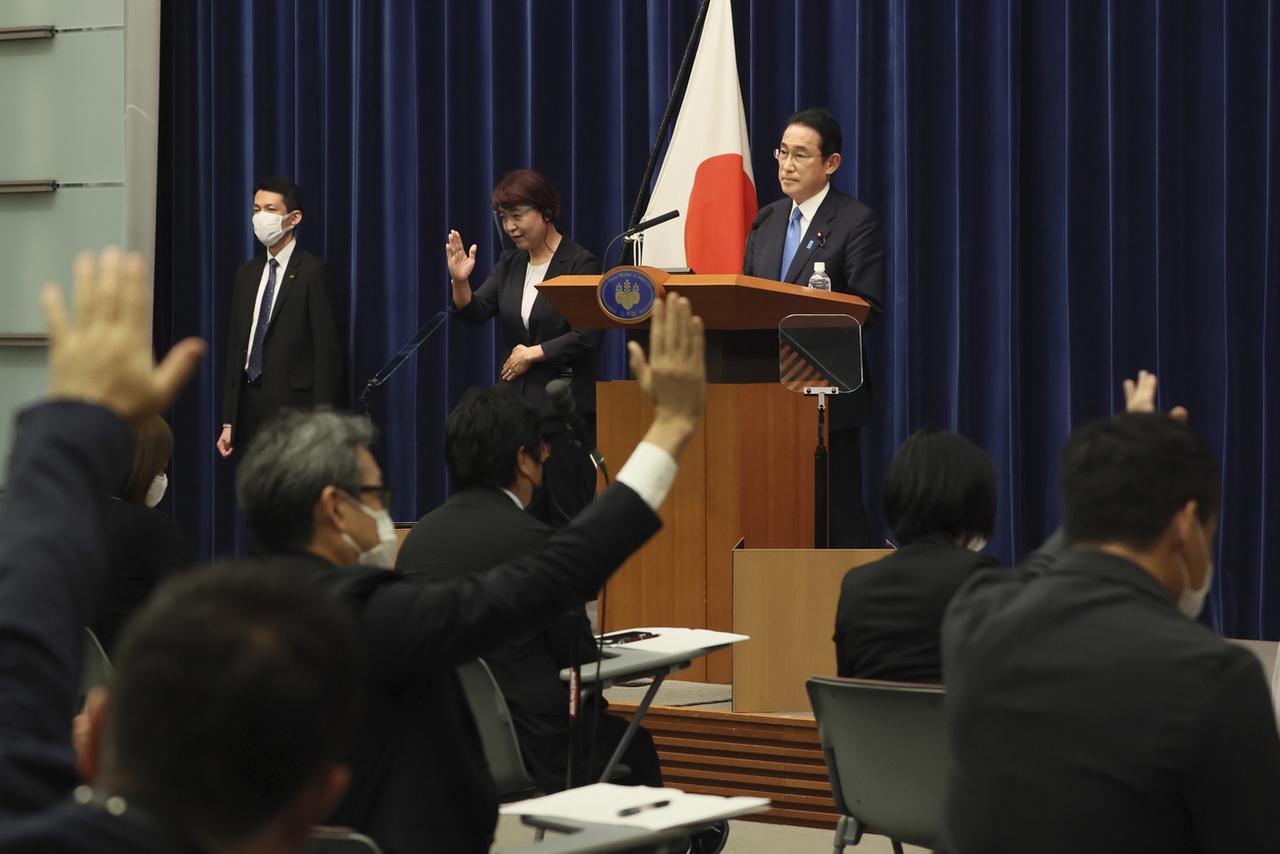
point(727, 753)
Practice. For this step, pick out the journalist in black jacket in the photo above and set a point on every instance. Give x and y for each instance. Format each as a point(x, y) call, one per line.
point(940, 501)
point(1086, 709)
point(310, 484)
point(492, 448)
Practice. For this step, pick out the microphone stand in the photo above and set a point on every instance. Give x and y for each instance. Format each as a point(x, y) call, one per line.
point(384, 373)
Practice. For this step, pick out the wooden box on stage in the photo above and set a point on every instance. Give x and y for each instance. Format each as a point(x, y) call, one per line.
point(747, 473)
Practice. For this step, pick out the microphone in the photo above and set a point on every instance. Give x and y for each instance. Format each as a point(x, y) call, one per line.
point(650, 223)
point(639, 227)
point(764, 214)
point(560, 396)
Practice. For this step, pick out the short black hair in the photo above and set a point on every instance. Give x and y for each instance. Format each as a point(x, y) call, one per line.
point(285, 187)
point(821, 121)
point(940, 482)
point(1124, 479)
point(232, 688)
point(484, 433)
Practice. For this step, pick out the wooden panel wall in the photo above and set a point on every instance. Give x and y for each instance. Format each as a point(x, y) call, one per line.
point(729, 754)
point(748, 472)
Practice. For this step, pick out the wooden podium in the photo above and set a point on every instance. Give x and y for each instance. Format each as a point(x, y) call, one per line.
point(747, 472)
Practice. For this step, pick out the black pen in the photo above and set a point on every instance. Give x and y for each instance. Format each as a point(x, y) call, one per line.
point(633, 810)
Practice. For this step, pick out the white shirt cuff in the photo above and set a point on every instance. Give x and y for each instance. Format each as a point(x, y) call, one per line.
point(650, 471)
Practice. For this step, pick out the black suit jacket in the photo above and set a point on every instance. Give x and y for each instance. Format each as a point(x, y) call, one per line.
point(889, 619)
point(569, 352)
point(852, 247)
point(144, 546)
point(52, 562)
point(419, 779)
point(302, 353)
point(1085, 713)
point(477, 529)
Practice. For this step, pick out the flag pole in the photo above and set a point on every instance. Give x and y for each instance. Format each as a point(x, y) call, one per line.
point(682, 76)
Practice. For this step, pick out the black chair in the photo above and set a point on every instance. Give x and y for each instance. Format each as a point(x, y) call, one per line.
point(95, 669)
point(886, 750)
point(336, 840)
point(497, 732)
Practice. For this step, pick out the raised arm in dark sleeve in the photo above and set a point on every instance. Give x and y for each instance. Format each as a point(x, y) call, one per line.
point(1233, 777)
point(66, 457)
point(439, 624)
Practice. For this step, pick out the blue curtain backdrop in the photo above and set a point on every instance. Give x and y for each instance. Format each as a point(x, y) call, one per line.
point(1070, 191)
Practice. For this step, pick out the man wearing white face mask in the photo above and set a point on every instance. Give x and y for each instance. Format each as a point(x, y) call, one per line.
point(1087, 709)
point(309, 487)
point(283, 347)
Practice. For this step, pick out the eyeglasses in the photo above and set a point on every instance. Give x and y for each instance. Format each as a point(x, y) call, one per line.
point(798, 159)
point(384, 493)
point(507, 214)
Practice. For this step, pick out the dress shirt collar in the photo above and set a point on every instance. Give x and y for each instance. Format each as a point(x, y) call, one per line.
point(512, 496)
point(282, 256)
point(811, 205)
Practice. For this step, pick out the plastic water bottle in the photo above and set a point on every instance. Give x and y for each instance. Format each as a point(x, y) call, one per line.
point(820, 281)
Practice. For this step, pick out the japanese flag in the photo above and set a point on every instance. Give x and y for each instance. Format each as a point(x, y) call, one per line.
point(706, 174)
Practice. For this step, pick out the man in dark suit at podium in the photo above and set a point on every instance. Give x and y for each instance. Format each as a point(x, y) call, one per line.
point(817, 222)
point(283, 347)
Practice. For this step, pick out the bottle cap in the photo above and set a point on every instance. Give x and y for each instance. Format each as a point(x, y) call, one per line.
point(819, 266)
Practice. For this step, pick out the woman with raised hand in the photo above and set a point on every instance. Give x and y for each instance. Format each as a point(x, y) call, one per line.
point(539, 345)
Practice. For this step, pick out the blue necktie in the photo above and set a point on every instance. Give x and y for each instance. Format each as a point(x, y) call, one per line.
point(264, 320)
point(793, 243)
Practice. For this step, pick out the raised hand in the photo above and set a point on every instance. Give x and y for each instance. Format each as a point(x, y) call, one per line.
point(103, 354)
point(1140, 396)
point(674, 376)
point(461, 262)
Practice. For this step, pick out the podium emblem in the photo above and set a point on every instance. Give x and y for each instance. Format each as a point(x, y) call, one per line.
point(627, 294)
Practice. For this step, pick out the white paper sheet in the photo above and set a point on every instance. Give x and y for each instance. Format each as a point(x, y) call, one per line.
point(671, 639)
point(658, 809)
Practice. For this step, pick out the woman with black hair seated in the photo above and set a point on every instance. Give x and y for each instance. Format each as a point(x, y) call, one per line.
point(940, 502)
point(144, 545)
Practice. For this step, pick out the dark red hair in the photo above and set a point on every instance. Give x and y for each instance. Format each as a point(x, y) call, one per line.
point(527, 187)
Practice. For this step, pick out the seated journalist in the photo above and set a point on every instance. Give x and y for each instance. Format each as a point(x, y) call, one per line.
point(310, 488)
point(144, 545)
point(1087, 709)
point(234, 690)
point(940, 502)
point(495, 459)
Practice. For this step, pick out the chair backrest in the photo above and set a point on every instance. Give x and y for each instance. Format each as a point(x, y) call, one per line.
point(334, 841)
point(497, 732)
point(886, 750)
point(96, 669)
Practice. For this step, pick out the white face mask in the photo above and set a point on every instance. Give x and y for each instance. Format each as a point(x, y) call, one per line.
point(1191, 601)
point(383, 554)
point(976, 544)
point(156, 490)
point(267, 228)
